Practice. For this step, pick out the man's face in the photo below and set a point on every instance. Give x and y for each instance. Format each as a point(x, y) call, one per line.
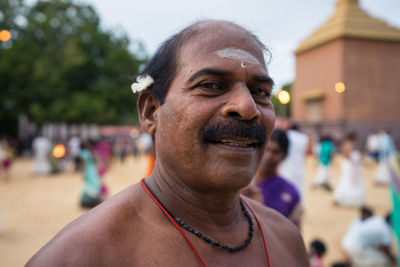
point(217, 115)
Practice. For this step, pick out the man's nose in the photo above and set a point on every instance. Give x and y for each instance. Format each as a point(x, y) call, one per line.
point(241, 104)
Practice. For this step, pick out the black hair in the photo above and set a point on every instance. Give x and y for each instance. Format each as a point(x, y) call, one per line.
point(341, 264)
point(162, 67)
point(325, 137)
point(388, 218)
point(88, 144)
point(294, 126)
point(366, 211)
point(281, 138)
point(352, 136)
point(318, 246)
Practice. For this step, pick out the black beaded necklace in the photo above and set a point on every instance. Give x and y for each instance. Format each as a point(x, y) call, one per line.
point(206, 238)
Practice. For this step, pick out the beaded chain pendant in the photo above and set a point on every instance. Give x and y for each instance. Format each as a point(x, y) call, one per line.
point(206, 238)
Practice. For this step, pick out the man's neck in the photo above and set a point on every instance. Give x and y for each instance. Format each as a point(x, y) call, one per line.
point(198, 209)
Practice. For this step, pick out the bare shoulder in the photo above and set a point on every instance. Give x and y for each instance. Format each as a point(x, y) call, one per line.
point(282, 236)
point(87, 240)
point(273, 220)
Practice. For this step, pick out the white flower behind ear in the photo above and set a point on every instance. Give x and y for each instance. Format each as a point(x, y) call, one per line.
point(142, 83)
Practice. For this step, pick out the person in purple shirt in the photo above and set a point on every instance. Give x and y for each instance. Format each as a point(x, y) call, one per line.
point(278, 193)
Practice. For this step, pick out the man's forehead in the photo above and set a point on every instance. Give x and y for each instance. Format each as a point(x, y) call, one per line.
point(234, 44)
point(237, 54)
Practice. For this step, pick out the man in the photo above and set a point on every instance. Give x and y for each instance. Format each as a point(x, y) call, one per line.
point(386, 149)
point(206, 102)
point(74, 145)
point(41, 147)
point(323, 175)
point(367, 241)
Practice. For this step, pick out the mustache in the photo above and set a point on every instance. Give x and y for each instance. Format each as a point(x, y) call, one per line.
point(245, 129)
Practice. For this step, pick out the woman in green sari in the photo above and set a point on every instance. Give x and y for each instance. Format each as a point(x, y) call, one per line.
point(90, 194)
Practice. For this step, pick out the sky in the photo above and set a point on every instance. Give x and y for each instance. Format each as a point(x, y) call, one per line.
point(280, 24)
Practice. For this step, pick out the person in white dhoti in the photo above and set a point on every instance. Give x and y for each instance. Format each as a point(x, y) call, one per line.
point(74, 146)
point(322, 177)
point(372, 146)
point(41, 151)
point(292, 168)
point(367, 241)
point(386, 149)
point(350, 190)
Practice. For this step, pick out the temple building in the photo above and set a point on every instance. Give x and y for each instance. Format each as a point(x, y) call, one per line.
point(348, 76)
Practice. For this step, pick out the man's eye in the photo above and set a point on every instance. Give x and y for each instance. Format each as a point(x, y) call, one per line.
point(260, 92)
point(210, 85)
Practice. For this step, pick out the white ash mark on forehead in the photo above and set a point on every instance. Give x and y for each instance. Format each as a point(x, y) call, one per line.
point(237, 54)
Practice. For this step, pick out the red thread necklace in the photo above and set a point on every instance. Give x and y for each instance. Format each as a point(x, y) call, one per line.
point(173, 220)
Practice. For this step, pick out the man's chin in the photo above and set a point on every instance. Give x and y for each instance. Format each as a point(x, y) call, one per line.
point(234, 180)
point(234, 156)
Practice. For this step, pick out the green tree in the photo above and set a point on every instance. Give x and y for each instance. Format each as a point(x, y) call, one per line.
point(61, 66)
point(282, 110)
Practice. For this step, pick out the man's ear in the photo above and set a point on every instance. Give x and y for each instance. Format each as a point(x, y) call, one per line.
point(147, 105)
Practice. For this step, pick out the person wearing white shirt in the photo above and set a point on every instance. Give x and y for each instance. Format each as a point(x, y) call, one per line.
point(292, 168)
point(41, 150)
point(367, 241)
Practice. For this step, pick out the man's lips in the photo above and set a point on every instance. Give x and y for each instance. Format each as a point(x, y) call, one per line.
point(236, 133)
point(236, 141)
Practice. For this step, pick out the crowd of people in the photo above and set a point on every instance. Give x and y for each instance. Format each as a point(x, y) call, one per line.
point(91, 157)
point(279, 184)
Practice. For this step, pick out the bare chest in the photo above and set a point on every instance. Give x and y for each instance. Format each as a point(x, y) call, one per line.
point(167, 247)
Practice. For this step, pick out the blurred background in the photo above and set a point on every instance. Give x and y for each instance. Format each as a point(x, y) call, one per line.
point(65, 73)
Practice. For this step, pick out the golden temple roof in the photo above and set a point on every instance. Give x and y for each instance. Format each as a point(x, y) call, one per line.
point(349, 20)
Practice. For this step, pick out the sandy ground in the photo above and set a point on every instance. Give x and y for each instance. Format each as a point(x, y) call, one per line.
point(34, 209)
